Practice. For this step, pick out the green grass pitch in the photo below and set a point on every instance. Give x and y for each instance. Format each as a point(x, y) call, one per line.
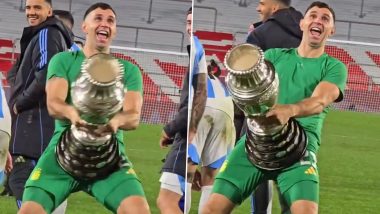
point(348, 166)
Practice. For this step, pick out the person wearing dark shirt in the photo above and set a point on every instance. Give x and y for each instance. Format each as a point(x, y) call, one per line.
point(32, 127)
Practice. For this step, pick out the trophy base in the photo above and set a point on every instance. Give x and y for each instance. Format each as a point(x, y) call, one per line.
point(86, 162)
point(277, 151)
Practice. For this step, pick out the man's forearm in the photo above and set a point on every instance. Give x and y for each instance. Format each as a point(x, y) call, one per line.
point(309, 106)
point(199, 102)
point(129, 117)
point(179, 123)
point(324, 94)
point(127, 120)
point(59, 109)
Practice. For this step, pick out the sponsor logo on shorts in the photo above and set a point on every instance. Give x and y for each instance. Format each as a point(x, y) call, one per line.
point(36, 174)
point(224, 166)
point(311, 171)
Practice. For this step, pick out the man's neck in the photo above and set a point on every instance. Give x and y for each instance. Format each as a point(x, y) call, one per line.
point(89, 51)
point(305, 50)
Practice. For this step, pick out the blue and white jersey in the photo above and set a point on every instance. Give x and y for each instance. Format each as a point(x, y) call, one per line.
point(198, 64)
point(5, 117)
point(197, 57)
point(218, 96)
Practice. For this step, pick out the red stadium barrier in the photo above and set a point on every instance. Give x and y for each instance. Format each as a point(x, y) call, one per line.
point(174, 71)
point(362, 94)
point(7, 58)
point(374, 57)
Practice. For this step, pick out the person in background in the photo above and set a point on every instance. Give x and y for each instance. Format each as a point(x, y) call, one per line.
point(180, 131)
point(119, 189)
point(32, 127)
point(67, 18)
point(214, 139)
point(5, 136)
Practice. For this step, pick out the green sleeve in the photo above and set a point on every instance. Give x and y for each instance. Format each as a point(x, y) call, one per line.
point(58, 66)
point(271, 55)
point(133, 78)
point(337, 74)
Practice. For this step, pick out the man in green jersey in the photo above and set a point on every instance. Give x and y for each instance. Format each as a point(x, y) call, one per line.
point(49, 184)
point(310, 81)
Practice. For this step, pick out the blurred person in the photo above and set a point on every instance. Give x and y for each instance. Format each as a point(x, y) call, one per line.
point(310, 81)
point(214, 68)
point(67, 18)
point(180, 131)
point(32, 127)
point(278, 28)
point(49, 184)
point(214, 138)
point(251, 27)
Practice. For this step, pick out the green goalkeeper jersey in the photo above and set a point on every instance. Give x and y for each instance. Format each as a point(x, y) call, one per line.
point(67, 65)
point(299, 76)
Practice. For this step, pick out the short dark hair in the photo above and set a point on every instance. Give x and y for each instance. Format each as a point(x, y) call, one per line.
point(64, 14)
point(95, 6)
point(49, 2)
point(285, 2)
point(190, 11)
point(320, 4)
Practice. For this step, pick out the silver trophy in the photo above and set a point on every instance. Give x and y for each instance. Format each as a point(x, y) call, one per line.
point(253, 85)
point(97, 94)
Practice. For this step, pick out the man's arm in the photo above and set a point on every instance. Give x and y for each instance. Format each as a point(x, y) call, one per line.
point(179, 123)
point(56, 93)
point(253, 38)
point(48, 45)
point(199, 102)
point(129, 117)
point(323, 95)
point(11, 76)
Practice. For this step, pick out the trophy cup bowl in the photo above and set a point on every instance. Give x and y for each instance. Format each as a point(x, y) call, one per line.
point(97, 94)
point(253, 85)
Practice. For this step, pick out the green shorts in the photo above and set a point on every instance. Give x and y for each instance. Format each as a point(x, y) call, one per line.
point(238, 178)
point(49, 185)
